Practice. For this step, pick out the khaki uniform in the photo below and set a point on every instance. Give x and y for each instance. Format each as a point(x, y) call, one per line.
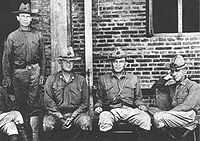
point(185, 100)
point(23, 63)
point(120, 98)
point(67, 98)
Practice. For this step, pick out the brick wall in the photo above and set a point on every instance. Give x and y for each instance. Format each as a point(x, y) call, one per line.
point(123, 23)
point(42, 23)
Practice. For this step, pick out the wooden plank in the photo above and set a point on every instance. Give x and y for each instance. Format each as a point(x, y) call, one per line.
point(60, 28)
point(88, 46)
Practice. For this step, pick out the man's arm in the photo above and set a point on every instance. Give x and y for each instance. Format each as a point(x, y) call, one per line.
point(49, 102)
point(84, 100)
point(42, 56)
point(6, 63)
point(100, 94)
point(191, 101)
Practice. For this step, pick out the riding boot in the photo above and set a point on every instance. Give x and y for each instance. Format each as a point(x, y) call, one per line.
point(35, 126)
point(22, 133)
point(13, 138)
point(143, 135)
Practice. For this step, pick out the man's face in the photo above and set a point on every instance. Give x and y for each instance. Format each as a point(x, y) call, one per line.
point(66, 65)
point(119, 65)
point(179, 75)
point(24, 19)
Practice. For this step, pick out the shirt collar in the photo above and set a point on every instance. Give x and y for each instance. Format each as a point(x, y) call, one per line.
point(29, 29)
point(122, 76)
point(72, 77)
point(184, 82)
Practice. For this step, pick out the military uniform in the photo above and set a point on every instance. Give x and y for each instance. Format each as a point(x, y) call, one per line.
point(24, 66)
point(24, 62)
point(66, 99)
point(184, 101)
point(120, 99)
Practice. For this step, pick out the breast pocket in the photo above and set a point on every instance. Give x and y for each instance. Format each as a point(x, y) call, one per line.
point(129, 91)
point(75, 95)
point(18, 48)
point(35, 47)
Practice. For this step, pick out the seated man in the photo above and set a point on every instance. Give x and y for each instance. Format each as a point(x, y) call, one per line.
point(11, 121)
point(119, 98)
point(66, 97)
point(184, 97)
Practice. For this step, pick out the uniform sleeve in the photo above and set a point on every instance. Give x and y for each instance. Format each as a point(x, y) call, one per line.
point(191, 101)
point(6, 61)
point(138, 94)
point(84, 99)
point(42, 55)
point(100, 95)
point(49, 101)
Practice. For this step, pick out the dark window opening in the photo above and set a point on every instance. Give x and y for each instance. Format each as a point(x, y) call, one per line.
point(165, 16)
point(191, 15)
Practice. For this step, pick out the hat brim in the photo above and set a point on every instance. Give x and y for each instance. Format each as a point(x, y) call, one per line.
point(26, 12)
point(168, 66)
point(60, 58)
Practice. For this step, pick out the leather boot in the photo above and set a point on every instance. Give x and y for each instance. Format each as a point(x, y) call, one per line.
point(13, 138)
point(144, 135)
point(35, 126)
point(22, 133)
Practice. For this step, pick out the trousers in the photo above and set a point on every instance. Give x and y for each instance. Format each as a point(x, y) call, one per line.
point(175, 119)
point(133, 116)
point(9, 122)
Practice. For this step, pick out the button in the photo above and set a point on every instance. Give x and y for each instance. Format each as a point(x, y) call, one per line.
point(28, 67)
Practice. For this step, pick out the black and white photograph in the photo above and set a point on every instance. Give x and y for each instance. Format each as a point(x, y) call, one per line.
point(100, 70)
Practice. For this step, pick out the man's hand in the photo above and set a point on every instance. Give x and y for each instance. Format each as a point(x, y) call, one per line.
point(68, 123)
point(41, 80)
point(168, 77)
point(98, 110)
point(143, 108)
point(6, 82)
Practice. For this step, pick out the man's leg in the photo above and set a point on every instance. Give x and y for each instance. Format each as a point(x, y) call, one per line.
point(106, 121)
point(135, 117)
point(175, 119)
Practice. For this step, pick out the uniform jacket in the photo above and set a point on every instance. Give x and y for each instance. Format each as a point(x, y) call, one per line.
point(23, 48)
point(64, 97)
point(113, 92)
point(184, 96)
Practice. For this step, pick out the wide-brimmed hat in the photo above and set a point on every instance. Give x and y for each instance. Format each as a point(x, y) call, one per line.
point(177, 63)
point(24, 8)
point(67, 54)
point(117, 54)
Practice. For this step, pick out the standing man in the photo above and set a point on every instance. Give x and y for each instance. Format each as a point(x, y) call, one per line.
point(119, 98)
point(23, 66)
point(66, 99)
point(185, 98)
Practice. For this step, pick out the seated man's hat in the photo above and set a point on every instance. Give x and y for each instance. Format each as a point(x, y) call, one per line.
point(67, 54)
point(177, 63)
point(117, 54)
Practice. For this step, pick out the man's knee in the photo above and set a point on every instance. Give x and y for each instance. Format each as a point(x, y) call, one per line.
point(106, 120)
point(10, 128)
point(84, 122)
point(145, 121)
point(49, 122)
point(16, 116)
point(35, 123)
